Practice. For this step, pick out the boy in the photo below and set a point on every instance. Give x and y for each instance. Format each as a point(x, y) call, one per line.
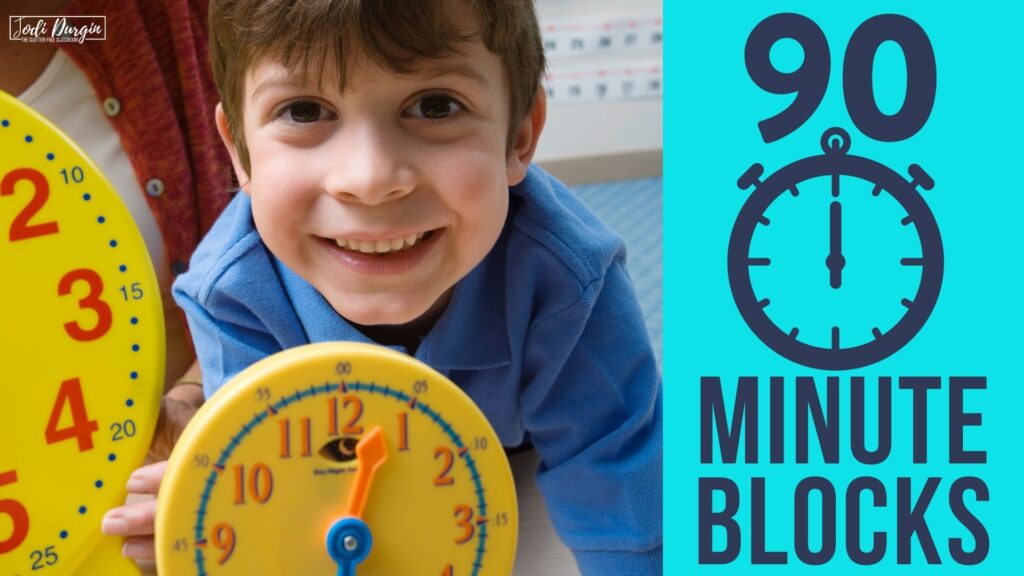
point(383, 150)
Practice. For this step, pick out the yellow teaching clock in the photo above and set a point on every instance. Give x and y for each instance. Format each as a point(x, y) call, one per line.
point(82, 349)
point(338, 458)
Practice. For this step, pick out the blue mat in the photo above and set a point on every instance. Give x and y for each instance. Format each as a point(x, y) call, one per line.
point(633, 209)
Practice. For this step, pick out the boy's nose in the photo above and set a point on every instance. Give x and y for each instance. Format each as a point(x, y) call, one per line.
point(369, 168)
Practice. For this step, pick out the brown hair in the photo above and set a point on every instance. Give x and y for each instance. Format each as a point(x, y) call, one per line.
point(395, 34)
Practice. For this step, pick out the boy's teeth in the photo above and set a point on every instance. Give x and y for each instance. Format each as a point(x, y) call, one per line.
point(380, 246)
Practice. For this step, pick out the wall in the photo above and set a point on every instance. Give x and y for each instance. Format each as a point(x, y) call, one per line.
point(591, 137)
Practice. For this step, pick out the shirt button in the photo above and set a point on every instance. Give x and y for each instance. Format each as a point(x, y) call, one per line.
point(112, 106)
point(155, 187)
point(178, 267)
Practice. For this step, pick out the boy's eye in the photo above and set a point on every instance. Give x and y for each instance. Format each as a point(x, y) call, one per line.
point(435, 107)
point(303, 111)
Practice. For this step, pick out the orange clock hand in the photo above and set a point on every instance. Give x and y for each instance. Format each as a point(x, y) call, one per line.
point(371, 452)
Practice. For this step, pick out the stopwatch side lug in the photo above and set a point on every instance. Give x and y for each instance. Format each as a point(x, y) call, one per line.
point(918, 177)
point(752, 177)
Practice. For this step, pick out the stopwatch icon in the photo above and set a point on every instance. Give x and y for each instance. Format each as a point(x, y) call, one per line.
point(835, 261)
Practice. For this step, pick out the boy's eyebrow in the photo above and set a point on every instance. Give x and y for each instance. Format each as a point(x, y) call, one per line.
point(428, 71)
point(438, 69)
point(277, 81)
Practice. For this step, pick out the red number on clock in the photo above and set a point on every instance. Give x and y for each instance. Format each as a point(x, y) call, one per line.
point(91, 301)
point(464, 519)
point(21, 228)
point(16, 512)
point(81, 428)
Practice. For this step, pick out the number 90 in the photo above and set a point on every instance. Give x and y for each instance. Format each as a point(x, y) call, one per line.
point(810, 80)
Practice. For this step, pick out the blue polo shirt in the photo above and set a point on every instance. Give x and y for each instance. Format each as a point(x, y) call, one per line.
point(545, 335)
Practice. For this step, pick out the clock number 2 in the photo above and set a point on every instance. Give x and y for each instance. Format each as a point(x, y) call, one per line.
point(91, 301)
point(21, 228)
point(16, 512)
point(70, 397)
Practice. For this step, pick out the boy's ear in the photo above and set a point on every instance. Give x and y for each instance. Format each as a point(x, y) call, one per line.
point(229, 143)
point(527, 136)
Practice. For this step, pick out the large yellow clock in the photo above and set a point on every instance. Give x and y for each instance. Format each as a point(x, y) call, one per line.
point(82, 350)
point(338, 458)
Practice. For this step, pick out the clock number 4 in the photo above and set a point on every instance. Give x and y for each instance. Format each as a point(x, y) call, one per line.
point(69, 398)
point(22, 228)
point(16, 512)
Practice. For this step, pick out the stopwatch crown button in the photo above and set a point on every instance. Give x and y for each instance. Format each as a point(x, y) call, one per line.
point(920, 178)
point(752, 177)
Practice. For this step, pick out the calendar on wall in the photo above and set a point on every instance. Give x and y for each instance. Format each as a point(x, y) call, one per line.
point(603, 58)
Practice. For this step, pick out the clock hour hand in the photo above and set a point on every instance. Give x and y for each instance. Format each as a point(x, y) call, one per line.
point(835, 262)
point(371, 452)
point(349, 539)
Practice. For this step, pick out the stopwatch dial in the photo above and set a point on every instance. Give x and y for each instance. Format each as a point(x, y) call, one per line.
point(278, 459)
point(82, 346)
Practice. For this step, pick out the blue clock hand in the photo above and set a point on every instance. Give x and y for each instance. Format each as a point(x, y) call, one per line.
point(835, 260)
point(348, 543)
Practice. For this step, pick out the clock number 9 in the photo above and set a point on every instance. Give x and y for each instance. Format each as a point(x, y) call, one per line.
point(91, 301)
point(21, 228)
point(810, 80)
point(16, 512)
point(223, 538)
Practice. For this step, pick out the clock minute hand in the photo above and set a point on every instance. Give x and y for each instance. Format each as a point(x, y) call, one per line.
point(835, 262)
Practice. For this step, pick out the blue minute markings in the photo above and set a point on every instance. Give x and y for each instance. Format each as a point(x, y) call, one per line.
point(272, 409)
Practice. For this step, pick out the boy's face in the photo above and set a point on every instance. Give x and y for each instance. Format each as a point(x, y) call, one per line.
point(384, 196)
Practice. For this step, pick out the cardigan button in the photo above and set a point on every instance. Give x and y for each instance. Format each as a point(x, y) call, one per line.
point(112, 106)
point(179, 267)
point(155, 187)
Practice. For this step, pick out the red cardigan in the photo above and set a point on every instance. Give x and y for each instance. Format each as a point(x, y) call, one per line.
point(154, 61)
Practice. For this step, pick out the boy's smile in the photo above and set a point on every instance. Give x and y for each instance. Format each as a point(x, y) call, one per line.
point(385, 194)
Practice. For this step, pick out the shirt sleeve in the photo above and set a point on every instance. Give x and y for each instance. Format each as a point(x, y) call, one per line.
point(233, 324)
point(592, 406)
point(228, 337)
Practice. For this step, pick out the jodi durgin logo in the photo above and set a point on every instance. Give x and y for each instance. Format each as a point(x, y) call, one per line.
point(77, 29)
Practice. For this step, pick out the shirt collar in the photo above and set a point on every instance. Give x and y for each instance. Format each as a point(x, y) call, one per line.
point(472, 333)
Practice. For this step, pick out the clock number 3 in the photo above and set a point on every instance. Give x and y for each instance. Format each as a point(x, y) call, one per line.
point(21, 228)
point(70, 398)
point(91, 301)
point(16, 512)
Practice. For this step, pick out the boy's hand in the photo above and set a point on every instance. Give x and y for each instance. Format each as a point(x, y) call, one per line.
point(177, 408)
point(136, 519)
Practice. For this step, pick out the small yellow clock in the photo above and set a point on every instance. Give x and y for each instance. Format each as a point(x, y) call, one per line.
point(338, 458)
point(82, 348)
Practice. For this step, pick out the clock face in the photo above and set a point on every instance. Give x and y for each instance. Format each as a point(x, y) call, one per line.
point(338, 458)
point(835, 260)
point(82, 347)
